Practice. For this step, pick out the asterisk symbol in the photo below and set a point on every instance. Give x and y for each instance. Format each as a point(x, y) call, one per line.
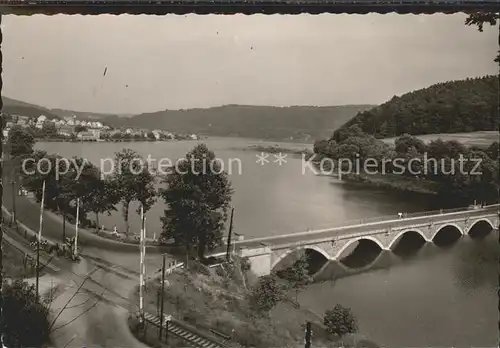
point(262, 158)
point(280, 158)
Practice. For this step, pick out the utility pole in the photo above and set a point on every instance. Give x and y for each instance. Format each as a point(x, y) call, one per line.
point(308, 335)
point(141, 267)
point(228, 258)
point(144, 254)
point(75, 252)
point(162, 294)
point(38, 242)
point(13, 182)
point(64, 225)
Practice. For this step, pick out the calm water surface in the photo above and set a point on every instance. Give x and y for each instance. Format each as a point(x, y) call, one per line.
point(437, 298)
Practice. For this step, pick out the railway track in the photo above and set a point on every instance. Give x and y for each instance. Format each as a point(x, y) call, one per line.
point(194, 339)
point(190, 335)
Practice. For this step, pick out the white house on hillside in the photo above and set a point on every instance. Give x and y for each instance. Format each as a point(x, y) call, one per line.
point(40, 121)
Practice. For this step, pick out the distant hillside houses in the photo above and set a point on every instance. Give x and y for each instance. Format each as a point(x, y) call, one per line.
point(72, 128)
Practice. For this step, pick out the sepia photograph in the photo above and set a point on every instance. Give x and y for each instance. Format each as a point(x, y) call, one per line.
point(260, 181)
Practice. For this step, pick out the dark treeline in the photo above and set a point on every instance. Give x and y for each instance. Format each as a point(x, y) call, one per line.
point(462, 174)
point(449, 107)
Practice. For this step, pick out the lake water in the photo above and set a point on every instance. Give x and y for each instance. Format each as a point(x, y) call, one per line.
point(438, 297)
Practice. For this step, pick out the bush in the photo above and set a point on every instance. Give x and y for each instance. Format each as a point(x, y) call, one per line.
point(340, 321)
point(191, 316)
point(245, 264)
point(266, 294)
point(247, 335)
point(25, 320)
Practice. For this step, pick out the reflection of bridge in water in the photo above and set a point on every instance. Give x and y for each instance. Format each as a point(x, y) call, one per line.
point(266, 253)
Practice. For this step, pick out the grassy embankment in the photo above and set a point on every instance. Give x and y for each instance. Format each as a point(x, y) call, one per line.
point(274, 149)
point(15, 265)
point(481, 139)
point(216, 299)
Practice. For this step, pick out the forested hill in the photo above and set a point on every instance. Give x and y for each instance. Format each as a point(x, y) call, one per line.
point(298, 123)
point(449, 107)
point(17, 107)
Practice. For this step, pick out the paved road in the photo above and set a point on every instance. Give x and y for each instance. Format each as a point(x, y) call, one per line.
point(345, 231)
point(28, 212)
point(116, 273)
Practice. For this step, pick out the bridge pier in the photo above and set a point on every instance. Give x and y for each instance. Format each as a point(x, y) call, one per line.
point(260, 260)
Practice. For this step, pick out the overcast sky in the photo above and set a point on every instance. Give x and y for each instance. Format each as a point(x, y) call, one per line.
point(159, 62)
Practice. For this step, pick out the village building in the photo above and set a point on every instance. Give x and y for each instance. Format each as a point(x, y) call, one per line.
point(66, 130)
point(86, 136)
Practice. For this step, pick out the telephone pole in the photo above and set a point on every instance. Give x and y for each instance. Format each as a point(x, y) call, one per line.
point(75, 252)
point(308, 335)
point(141, 267)
point(13, 182)
point(38, 242)
point(229, 236)
point(161, 295)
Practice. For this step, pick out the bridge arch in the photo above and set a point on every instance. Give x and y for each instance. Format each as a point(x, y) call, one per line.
point(366, 267)
point(307, 247)
point(403, 232)
point(344, 247)
point(481, 220)
point(448, 224)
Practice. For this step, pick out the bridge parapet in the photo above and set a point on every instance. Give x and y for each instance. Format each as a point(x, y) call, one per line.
point(266, 253)
point(260, 259)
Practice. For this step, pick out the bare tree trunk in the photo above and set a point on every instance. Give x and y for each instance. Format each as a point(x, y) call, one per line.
point(202, 242)
point(187, 246)
point(125, 216)
point(97, 220)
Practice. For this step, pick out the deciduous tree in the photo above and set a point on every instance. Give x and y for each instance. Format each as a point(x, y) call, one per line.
point(406, 141)
point(133, 182)
point(340, 321)
point(479, 19)
point(266, 294)
point(20, 141)
point(297, 275)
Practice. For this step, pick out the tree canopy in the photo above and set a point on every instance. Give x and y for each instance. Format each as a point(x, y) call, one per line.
point(449, 107)
point(198, 194)
point(133, 181)
point(266, 294)
point(20, 141)
point(340, 321)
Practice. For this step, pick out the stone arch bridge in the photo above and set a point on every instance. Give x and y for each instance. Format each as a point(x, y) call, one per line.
point(267, 252)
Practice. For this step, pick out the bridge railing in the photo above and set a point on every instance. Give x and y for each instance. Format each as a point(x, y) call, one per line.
point(436, 212)
point(372, 220)
point(356, 222)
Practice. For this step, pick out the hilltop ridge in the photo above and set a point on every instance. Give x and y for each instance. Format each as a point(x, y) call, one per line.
point(297, 123)
point(448, 107)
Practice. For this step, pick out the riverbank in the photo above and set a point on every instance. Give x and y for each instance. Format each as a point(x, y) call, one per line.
point(275, 149)
point(387, 181)
point(215, 301)
point(58, 140)
point(394, 182)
